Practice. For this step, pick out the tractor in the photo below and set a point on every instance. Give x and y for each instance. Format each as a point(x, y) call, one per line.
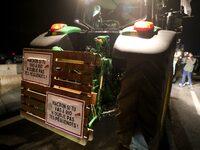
point(75, 75)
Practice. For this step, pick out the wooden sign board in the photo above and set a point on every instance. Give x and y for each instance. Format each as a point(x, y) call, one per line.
point(65, 113)
point(37, 67)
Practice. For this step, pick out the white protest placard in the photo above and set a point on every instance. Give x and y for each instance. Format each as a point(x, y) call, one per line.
point(37, 67)
point(65, 113)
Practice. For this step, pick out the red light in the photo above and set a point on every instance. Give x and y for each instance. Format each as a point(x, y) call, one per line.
point(143, 26)
point(57, 26)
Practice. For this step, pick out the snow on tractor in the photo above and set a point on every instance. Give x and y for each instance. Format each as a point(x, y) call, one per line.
point(115, 56)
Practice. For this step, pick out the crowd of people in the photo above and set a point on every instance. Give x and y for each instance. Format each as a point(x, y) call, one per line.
point(188, 61)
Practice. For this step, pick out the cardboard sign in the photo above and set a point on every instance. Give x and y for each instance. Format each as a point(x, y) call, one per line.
point(65, 113)
point(37, 67)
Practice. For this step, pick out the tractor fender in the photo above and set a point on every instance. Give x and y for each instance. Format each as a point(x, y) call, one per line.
point(50, 39)
point(126, 45)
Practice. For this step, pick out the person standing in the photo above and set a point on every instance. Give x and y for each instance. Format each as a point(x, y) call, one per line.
point(187, 70)
point(177, 58)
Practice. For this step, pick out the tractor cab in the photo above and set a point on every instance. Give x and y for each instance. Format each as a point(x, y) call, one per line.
point(93, 18)
point(108, 15)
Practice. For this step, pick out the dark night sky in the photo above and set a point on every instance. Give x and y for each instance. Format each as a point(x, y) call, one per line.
point(23, 20)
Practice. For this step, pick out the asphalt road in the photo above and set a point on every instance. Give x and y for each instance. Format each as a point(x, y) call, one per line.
point(184, 110)
point(185, 116)
point(24, 135)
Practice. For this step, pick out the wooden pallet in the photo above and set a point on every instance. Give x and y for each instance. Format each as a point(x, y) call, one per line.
point(59, 77)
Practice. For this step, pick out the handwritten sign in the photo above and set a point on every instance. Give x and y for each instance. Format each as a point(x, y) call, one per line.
point(65, 113)
point(37, 67)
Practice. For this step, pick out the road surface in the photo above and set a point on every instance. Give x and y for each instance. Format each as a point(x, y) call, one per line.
point(185, 119)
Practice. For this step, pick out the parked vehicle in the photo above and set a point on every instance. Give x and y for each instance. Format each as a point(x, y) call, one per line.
point(10, 58)
point(2, 58)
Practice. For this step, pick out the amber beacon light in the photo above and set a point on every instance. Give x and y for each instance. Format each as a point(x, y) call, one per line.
point(143, 26)
point(57, 26)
